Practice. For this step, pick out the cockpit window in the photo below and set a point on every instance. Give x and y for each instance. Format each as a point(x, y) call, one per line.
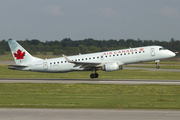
point(162, 49)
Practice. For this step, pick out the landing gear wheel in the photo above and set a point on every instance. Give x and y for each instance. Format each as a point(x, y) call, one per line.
point(96, 75)
point(92, 76)
point(157, 67)
point(157, 64)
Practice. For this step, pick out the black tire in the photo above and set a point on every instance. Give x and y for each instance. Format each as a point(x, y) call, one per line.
point(96, 75)
point(92, 76)
point(157, 67)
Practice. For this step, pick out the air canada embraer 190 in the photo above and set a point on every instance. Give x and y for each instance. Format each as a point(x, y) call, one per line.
point(107, 61)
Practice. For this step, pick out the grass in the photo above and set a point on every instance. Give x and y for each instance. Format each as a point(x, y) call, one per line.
point(23, 95)
point(6, 57)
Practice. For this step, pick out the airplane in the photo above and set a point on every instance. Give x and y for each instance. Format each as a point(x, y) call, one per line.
point(106, 61)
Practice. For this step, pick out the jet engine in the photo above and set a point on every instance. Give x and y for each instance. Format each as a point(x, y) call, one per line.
point(111, 67)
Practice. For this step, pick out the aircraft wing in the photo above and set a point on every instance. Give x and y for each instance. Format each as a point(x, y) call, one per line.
point(85, 65)
point(88, 65)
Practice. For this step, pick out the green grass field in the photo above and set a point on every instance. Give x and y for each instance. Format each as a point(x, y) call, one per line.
point(37, 95)
point(23, 95)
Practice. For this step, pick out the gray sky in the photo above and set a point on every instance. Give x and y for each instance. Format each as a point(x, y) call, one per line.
point(97, 19)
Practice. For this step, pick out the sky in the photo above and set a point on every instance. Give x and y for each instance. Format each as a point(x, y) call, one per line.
point(98, 19)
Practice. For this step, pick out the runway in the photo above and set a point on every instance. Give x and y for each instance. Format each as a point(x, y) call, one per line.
point(92, 81)
point(86, 114)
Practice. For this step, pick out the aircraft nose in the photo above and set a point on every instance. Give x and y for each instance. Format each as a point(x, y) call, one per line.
point(172, 54)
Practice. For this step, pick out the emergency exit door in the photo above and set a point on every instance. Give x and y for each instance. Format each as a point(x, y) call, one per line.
point(152, 51)
point(45, 65)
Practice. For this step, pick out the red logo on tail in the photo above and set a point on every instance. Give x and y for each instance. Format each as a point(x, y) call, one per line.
point(19, 54)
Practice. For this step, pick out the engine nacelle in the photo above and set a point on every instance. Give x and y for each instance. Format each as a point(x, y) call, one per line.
point(111, 67)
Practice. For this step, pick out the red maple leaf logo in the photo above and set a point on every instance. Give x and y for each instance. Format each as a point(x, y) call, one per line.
point(19, 54)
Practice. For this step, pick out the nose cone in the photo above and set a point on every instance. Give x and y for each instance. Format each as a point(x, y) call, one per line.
point(172, 54)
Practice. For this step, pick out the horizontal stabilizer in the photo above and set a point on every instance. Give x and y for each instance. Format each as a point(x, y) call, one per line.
point(16, 66)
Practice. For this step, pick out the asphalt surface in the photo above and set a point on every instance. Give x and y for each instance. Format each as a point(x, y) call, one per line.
point(86, 114)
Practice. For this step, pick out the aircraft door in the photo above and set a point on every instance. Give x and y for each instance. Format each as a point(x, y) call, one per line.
point(152, 51)
point(45, 65)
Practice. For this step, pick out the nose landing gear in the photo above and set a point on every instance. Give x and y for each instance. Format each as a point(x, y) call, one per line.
point(157, 64)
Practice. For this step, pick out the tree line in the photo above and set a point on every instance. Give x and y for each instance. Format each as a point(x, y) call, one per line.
point(73, 47)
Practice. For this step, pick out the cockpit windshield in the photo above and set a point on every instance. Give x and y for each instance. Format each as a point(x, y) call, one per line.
point(162, 49)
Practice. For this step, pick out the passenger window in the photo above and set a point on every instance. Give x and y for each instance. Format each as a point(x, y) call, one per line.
point(93, 57)
point(124, 53)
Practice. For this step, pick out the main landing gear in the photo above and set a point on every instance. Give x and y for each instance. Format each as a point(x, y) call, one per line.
point(94, 75)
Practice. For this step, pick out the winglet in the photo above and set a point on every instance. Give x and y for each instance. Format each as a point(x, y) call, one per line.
point(67, 58)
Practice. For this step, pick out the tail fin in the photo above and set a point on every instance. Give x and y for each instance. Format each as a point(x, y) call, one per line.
point(21, 56)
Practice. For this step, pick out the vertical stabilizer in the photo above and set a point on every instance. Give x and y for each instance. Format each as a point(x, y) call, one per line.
point(21, 56)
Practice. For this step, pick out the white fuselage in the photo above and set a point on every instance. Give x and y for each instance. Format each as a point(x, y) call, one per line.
point(124, 56)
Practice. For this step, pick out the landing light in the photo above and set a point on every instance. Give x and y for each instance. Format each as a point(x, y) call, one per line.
point(176, 52)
